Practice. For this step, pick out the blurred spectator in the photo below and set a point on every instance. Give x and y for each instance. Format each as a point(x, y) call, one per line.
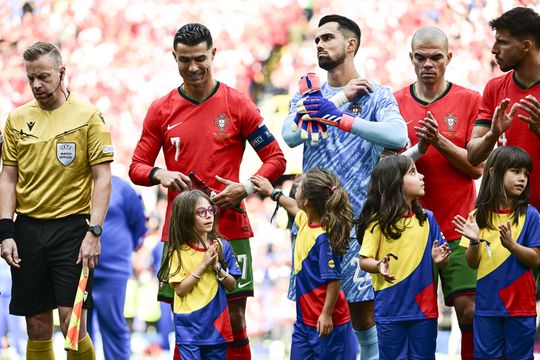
point(122, 233)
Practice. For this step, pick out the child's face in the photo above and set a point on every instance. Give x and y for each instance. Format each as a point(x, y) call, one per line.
point(204, 216)
point(413, 184)
point(515, 181)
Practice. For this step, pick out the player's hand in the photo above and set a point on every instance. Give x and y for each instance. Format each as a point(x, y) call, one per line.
point(423, 146)
point(428, 130)
point(356, 87)
point(230, 196)
point(325, 326)
point(10, 253)
point(89, 252)
point(468, 228)
point(173, 180)
point(505, 233)
point(501, 119)
point(532, 107)
point(384, 269)
point(440, 254)
point(324, 111)
point(262, 185)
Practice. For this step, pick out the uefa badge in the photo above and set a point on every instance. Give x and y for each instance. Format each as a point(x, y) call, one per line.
point(451, 120)
point(65, 152)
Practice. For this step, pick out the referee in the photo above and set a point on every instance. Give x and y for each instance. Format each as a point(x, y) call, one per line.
point(56, 176)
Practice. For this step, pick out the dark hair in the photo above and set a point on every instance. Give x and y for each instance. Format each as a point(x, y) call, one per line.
point(182, 231)
point(520, 22)
point(193, 34)
point(492, 187)
point(39, 49)
point(328, 199)
point(385, 204)
point(347, 27)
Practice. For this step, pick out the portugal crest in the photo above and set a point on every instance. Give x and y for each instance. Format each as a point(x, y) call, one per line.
point(65, 152)
point(222, 121)
point(451, 120)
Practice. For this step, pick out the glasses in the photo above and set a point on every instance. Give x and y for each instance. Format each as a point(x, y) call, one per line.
point(203, 212)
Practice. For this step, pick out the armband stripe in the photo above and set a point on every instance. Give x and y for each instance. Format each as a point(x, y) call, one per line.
point(260, 138)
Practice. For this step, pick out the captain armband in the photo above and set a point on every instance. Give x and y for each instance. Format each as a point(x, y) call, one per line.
point(260, 138)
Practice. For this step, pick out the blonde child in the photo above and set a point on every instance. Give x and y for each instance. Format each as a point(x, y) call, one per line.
point(401, 243)
point(502, 237)
point(202, 267)
point(324, 217)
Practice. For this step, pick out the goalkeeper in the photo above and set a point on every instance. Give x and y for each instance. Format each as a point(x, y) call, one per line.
point(358, 132)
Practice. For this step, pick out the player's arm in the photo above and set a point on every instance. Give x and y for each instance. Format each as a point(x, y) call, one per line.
point(292, 138)
point(428, 131)
point(8, 182)
point(101, 193)
point(142, 170)
point(134, 211)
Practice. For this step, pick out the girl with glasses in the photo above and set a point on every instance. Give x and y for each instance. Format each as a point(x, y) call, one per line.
point(200, 267)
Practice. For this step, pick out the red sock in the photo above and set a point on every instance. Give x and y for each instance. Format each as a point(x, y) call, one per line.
point(467, 344)
point(239, 348)
point(176, 353)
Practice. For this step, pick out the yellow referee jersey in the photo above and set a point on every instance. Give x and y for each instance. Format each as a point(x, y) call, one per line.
point(54, 152)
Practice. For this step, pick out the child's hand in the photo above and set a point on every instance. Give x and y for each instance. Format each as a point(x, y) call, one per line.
point(469, 228)
point(211, 255)
point(440, 254)
point(505, 232)
point(262, 185)
point(356, 87)
point(325, 325)
point(384, 270)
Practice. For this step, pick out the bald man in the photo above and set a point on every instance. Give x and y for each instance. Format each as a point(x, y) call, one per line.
point(440, 116)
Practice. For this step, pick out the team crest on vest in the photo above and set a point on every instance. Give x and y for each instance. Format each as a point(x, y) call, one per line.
point(451, 120)
point(222, 121)
point(65, 152)
point(355, 109)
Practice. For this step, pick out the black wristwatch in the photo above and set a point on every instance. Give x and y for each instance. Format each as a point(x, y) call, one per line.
point(96, 230)
point(276, 193)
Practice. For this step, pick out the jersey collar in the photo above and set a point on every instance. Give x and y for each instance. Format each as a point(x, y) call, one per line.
point(197, 102)
point(413, 94)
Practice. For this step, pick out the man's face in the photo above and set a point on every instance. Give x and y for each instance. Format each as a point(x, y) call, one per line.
point(429, 59)
point(508, 50)
point(194, 63)
point(44, 77)
point(331, 46)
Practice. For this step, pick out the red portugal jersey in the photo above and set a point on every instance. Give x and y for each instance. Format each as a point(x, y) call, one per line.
point(448, 190)
point(209, 138)
point(518, 134)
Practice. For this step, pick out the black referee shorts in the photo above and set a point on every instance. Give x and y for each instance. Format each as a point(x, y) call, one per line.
point(48, 276)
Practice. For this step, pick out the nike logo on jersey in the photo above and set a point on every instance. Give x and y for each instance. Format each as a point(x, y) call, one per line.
point(169, 127)
point(240, 286)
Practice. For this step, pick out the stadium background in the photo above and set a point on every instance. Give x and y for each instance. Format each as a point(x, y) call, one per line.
point(118, 56)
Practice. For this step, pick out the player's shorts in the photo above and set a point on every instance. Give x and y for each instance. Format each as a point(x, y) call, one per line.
point(341, 344)
point(207, 352)
point(409, 339)
point(244, 284)
point(48, 276)
point(508, 337)
point(356, 283)
point(457, 278)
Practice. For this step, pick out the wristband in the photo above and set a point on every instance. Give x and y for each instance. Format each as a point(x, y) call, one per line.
point(346, 122)
point(198, 277)
point(7, 229)
point(413, 152)
point(222, 278)
point(474, 242)
point(339, 99)
point(248, 185)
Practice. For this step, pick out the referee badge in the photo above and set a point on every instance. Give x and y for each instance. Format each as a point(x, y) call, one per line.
point(65, 152)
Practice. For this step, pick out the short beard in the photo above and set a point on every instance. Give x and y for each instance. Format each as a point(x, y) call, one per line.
point(328, 64)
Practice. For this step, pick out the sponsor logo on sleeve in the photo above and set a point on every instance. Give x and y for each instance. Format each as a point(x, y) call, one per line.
point(107, 149)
